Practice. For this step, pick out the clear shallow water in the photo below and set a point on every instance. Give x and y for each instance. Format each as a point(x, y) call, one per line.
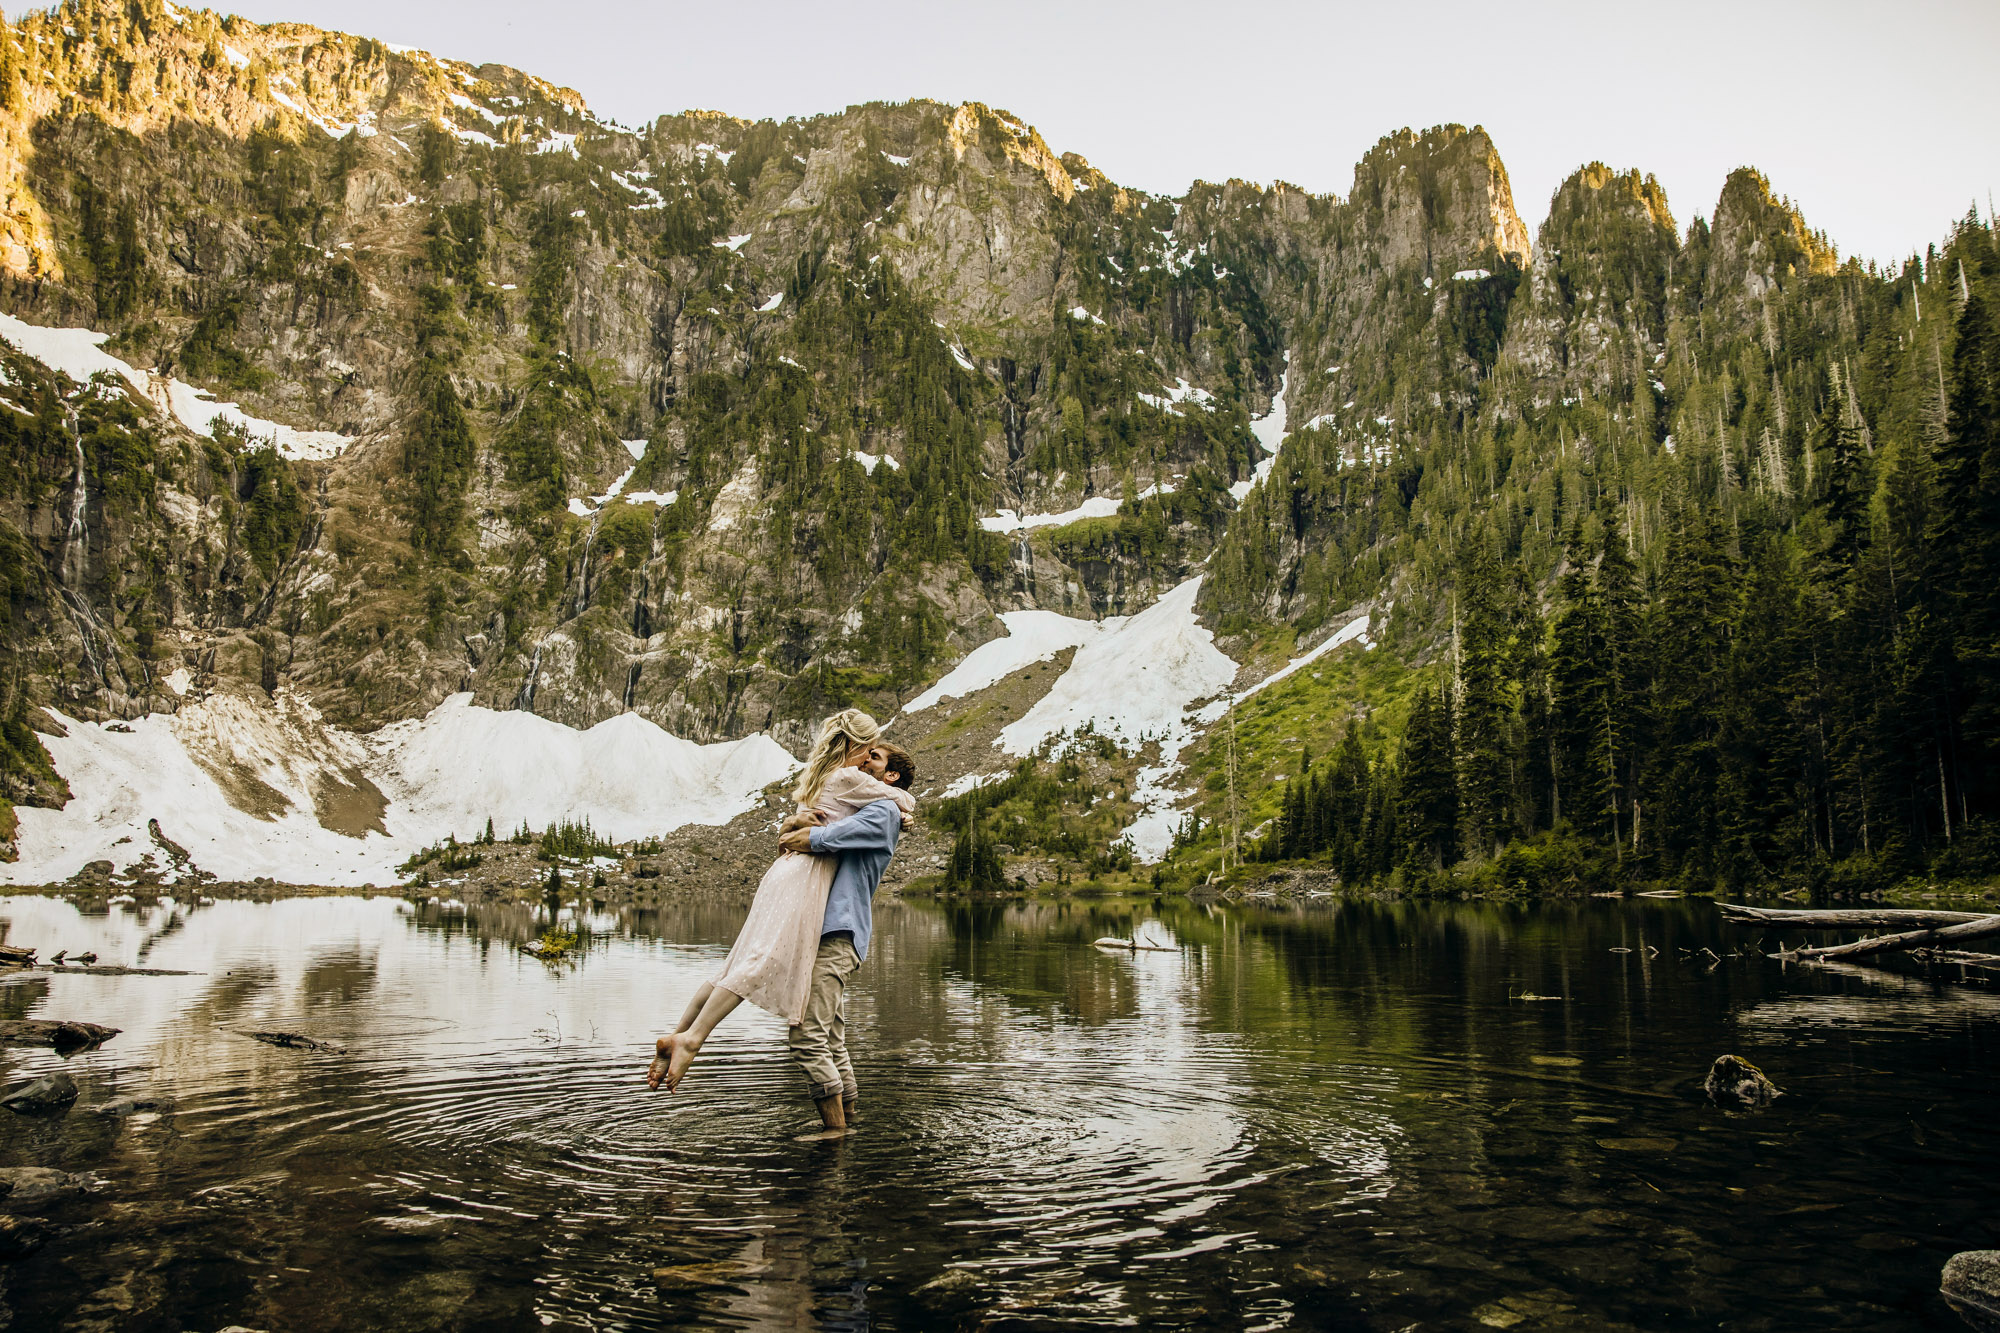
point(1336, 1117)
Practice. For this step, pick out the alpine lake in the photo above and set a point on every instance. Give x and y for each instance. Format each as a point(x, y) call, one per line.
point(1326, 1114)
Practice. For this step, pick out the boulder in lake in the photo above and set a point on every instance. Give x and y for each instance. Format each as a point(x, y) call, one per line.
point(951, 1285)
point(1972, 1285)
point(24, 1188)
point(49, 1095)
point(1734, 1081)
point(65, 1035)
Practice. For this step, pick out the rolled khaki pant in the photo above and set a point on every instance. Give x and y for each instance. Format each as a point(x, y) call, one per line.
point(819, 1042)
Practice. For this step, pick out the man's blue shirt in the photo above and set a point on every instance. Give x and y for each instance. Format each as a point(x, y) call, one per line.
point(864, 841)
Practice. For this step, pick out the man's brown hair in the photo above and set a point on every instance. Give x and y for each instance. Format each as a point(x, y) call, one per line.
point(898, 762)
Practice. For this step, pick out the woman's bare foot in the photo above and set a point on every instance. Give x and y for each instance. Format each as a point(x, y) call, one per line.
point(657, 1070)
point(671, 1057)
point(684, 1044)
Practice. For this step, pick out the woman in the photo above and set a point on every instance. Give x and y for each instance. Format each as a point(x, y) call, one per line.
point(771, 962)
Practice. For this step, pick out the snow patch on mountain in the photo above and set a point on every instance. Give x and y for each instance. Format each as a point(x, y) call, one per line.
point(1032, 636)
point(633, 778)
point(464, 103)
point(253, 788)
point(1007, 520)
point(79, 354)
point(1179, 392)
point(959, 786)
point(1137, 680)
point(1270, 432)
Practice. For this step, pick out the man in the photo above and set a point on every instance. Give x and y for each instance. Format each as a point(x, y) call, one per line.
point(864, 842)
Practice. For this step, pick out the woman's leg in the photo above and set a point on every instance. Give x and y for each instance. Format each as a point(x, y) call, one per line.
point(694, 1006)
point(673, 1054)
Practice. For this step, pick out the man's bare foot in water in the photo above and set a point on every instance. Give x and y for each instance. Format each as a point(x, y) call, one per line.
point(823, 1135)
point(671, 1057)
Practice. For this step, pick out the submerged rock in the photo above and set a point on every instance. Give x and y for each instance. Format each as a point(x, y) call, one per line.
point(701, 1277)
point(952, 1282)
point(19, 1237)
point(1734, 1081)
point(51, 1094)
point(1972, 1286)
point(26, 1187)
point(124, 1106)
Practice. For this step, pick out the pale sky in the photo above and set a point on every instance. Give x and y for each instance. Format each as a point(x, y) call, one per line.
point(1877, 119)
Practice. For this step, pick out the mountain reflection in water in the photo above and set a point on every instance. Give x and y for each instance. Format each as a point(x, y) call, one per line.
point(1339, 1116)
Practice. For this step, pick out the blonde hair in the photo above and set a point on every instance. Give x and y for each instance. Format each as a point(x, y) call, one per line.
point(837, 735)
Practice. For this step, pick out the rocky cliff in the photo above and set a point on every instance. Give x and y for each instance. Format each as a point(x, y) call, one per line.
point(726, 423)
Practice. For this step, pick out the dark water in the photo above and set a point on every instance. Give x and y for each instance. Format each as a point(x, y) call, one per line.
point(1337, 1117)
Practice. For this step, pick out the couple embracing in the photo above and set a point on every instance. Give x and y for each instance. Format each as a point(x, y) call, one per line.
point(809, 925)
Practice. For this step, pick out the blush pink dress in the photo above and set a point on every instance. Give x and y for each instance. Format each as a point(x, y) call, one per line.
point(771, 962)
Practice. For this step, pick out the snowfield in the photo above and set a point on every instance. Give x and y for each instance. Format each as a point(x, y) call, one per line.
point(1097, 506)
point(79, 354)
point(1153, 677)
point(1270, 432)
point(869, 462)
point(1032, 636)
point(250, 788)
point(1135, 680)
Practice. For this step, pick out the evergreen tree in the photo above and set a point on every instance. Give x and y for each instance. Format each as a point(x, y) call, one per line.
point(1483, 712)
point(1967, 542)
point(1580, 669)
point(974, 866)
point(437, 455)
point(1691, 621)
point(1347, 803)
point(1427, 817)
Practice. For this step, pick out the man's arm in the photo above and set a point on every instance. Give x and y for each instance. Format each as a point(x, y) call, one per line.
point(873, 828)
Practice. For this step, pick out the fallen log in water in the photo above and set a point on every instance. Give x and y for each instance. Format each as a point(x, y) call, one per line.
point(1846, 918)
point(1114, 942)
point(1959, 956)
point(112, 971)
point(61, 1034)
point(296, 1041)
point(12, 956)
point(1947, 936)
